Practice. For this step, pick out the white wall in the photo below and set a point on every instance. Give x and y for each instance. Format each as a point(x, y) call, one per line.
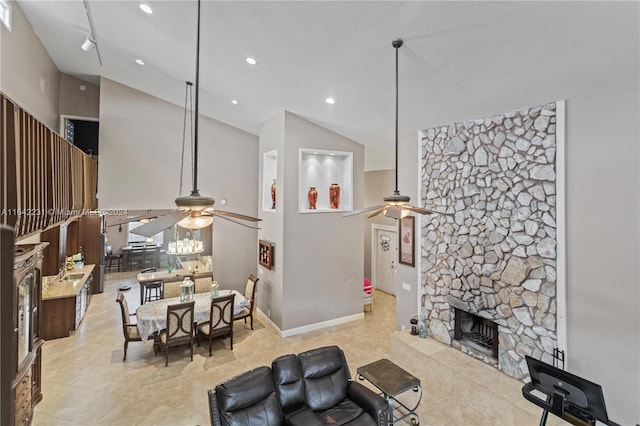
point(140, 145)
point(27, 74)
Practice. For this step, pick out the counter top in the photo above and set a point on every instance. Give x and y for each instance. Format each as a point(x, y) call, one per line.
point(60, 289)
point(204, 269)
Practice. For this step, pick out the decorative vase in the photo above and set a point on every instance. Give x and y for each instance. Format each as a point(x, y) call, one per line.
point(334, 195)
point(215, 289)
point(312, 195)
point(273, 194)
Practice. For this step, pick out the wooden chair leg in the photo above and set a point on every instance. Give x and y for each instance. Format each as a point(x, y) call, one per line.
point(126, 343)
point(166, 356)
point(210, 345)
point(231, 340)
point(251, 318)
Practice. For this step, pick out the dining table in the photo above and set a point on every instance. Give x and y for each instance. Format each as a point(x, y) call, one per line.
point(152, 316)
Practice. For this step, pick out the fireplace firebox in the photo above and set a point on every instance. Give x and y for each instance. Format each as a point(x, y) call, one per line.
point(480, 332)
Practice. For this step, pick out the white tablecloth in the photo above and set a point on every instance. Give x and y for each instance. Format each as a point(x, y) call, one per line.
point(152, 316)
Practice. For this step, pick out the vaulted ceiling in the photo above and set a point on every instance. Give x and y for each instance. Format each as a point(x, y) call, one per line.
point(461, 60)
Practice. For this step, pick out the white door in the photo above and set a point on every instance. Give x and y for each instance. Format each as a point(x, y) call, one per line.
point(383, 253)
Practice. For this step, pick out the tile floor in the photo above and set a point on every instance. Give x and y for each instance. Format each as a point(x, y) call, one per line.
point(85, 381)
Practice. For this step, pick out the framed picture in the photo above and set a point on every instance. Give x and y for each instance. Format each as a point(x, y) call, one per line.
point(265, 254)
point(407, 252)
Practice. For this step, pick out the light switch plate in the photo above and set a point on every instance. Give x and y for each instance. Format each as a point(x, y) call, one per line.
point(406, 286)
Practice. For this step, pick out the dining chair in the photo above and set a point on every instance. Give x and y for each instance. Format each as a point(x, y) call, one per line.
point(129, 328)
point(203, 283)
point(179, 328)
point(220, 320)
point(250, 295)
point(171, 286)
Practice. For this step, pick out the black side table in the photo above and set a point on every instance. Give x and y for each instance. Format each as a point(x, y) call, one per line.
point(392, 381)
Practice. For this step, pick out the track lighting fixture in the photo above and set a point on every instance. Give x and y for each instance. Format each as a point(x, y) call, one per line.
point(89, 43)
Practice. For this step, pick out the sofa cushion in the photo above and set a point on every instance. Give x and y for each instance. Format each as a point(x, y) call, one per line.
point(343, 413)
point(326, 377)
point(249, 399)
point(289, 382)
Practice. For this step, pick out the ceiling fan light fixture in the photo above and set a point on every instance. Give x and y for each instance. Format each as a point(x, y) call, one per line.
point(195, 222)
point(194, 202)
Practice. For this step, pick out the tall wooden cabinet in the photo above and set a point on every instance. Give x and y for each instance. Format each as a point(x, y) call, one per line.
point(21, 356)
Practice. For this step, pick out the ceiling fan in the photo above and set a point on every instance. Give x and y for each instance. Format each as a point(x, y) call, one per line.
point(193, 211)
point(396, 205)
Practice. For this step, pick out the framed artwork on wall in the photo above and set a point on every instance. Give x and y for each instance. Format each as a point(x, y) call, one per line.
point(265, 254)
point(406, 255)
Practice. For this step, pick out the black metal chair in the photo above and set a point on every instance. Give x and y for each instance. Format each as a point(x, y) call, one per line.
point(152, 290)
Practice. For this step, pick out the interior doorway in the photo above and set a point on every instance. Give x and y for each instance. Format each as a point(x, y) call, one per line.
point(82, 132)
point(384, 240)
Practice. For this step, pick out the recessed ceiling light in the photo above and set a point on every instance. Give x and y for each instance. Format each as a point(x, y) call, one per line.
point(234, 102)
point(146, 8)
point(139, 62)
point(330, 101)
point(251, 61)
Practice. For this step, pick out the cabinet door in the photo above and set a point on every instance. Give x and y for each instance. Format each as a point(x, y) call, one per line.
point(23, 320)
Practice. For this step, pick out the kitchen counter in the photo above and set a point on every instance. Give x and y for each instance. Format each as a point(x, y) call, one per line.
point(59, 289)
point(64, 302)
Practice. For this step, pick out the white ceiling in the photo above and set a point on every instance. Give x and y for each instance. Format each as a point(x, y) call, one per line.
point(461, 60)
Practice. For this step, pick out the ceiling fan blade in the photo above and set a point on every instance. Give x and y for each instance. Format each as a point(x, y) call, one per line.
point(422, 210)
point(234, 215)
point(360, 211)
point(160, 224)
point(377, 212)
point(149, 215)
point(236, 221)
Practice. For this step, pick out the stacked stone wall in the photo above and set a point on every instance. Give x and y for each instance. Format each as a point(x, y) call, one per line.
point(495, 256)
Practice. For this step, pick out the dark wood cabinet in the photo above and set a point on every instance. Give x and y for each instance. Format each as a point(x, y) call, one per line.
point(91, 242)
point(21, 357)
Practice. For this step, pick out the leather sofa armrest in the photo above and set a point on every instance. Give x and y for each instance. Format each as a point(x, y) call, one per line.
point(370, 401)
point(214, 410)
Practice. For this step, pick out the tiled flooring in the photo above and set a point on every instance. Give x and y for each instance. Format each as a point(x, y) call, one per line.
point(85, 381)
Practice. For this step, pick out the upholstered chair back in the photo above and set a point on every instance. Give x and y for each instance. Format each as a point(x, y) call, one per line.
point(326, 377)
point(247, 399)
point(289, 382)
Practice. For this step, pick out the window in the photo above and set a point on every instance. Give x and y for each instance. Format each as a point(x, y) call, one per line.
point(5, 13)
point(135, 238)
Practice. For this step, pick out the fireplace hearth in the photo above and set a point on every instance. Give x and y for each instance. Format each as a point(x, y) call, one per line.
point(482, 333)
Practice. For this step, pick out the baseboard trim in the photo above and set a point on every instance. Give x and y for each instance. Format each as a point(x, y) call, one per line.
point(309, 327)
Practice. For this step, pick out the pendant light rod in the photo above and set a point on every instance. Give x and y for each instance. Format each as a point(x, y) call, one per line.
point(195, 139)
point(397, 43)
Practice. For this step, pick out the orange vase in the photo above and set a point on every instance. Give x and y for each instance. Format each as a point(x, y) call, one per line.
point(273, 194)
point(334, 195)
point(312, 196)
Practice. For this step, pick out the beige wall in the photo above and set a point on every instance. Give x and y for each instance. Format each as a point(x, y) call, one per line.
point(27, 74)
point(603, 236)
point(603, 288)
point(76, 102)
point(140, 151)
point(319, 256)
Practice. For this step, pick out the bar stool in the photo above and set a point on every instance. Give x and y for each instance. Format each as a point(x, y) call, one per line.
point(110, 257)
point(153, 291)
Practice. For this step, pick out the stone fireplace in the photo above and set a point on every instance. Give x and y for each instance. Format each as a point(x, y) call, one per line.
point(495, 257)
point(478, 334)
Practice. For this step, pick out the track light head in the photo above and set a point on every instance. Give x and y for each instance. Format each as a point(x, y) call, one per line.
point(89, 43)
